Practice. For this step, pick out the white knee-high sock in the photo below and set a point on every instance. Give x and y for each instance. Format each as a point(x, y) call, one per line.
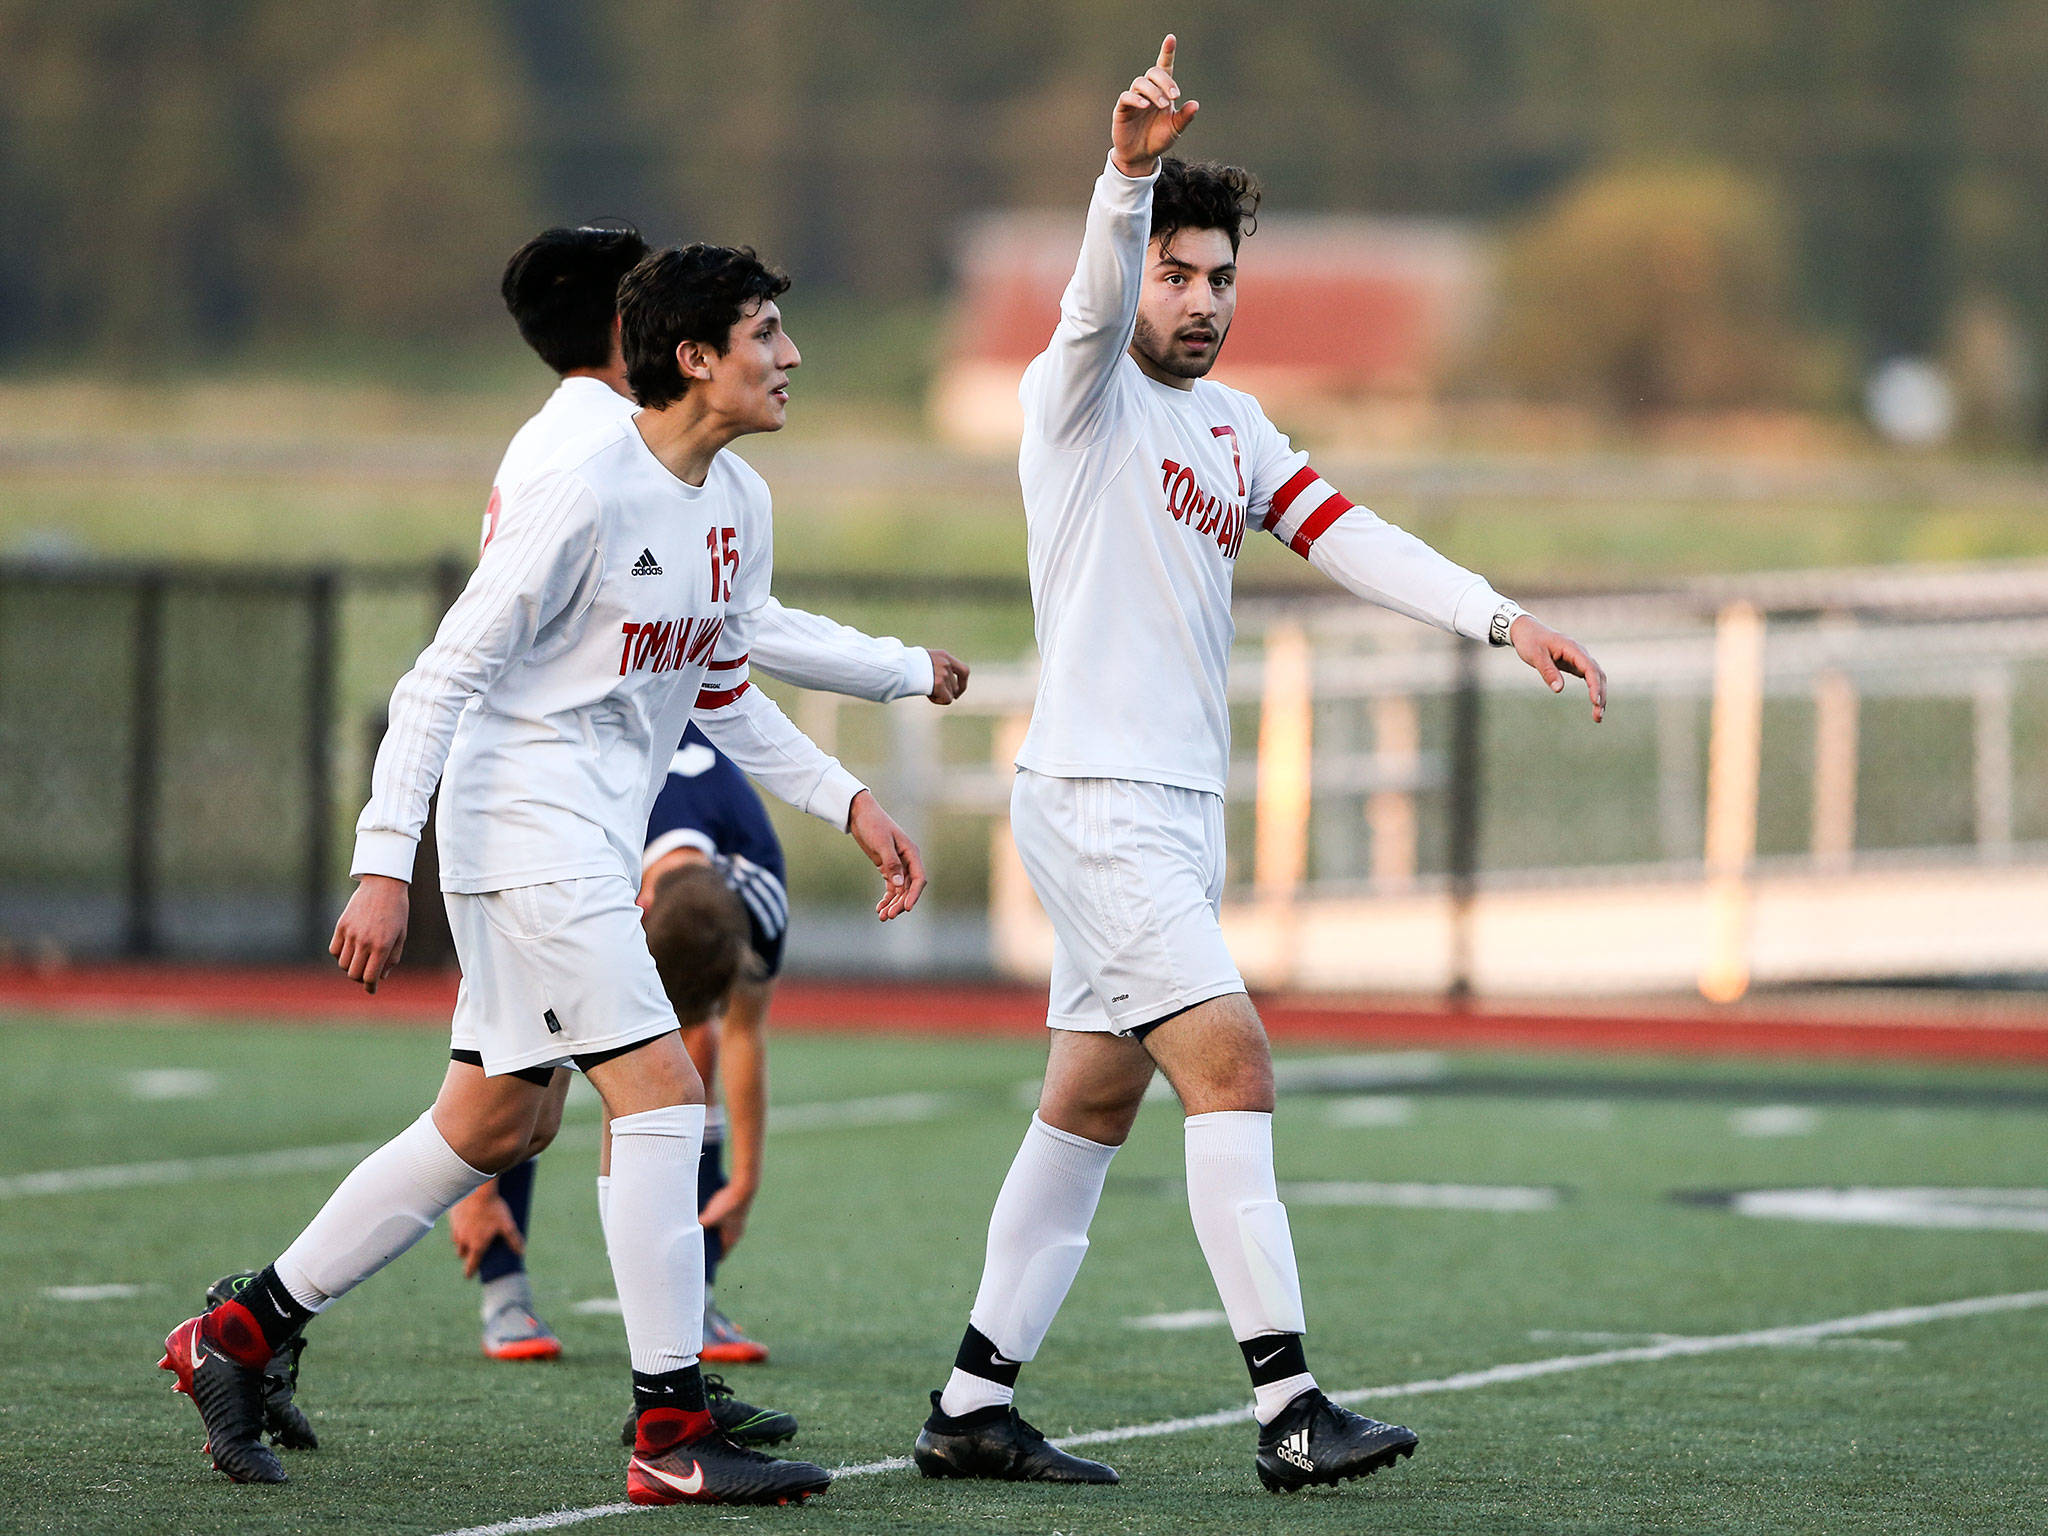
point(604, 1200)
point(1242, 1227)
point(651, 1230)
point(391, 1200)
point(1037, 1237)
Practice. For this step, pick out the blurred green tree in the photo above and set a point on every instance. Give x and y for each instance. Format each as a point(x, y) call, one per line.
point(1648, 291)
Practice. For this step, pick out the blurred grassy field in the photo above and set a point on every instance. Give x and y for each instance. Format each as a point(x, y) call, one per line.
point(863, 1254)
point(385, 459)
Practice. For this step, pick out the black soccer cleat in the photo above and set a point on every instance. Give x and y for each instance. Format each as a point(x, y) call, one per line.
point(1315, 1441)
point(229, 1397)
point(716, 1469)
point(286, 1421)
point(997, 1443)
point(741, 1420)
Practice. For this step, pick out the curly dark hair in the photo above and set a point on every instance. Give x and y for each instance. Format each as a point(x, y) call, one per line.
point(687, 293)
point(697, 933)
point(1205, 195)
point(562, 287)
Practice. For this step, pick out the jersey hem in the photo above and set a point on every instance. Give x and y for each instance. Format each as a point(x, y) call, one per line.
point(1137, 773)
point(509, 880)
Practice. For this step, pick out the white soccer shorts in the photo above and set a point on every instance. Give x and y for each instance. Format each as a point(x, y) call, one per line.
point(1131, 875)
point(550, 972)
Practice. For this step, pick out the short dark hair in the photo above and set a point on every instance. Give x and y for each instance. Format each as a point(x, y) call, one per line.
point(686, 293)
point(562, 287)
point(697, 933)
point(1205, 195)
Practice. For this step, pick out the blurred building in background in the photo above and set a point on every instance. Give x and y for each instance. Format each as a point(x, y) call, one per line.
point(1335, 315)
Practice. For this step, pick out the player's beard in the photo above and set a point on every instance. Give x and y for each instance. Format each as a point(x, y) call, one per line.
point(1167, 358)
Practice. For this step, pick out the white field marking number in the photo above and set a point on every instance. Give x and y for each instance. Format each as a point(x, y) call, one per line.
point(1178, 1322)
point(158, 1084)
point(1796, 1335)
point(1369, 1111)
point(1982, 1210)
point(1775, 1120)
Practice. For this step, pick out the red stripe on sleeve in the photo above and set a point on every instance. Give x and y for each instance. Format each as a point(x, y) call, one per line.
point(1313, 525)
point(727, 666)
point(718, 698)
point(1284, 497)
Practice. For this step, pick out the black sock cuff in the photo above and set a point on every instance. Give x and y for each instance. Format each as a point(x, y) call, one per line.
point(276, 1310)
point(979, 1357)
point(682, 1389)
point(1274, 1357)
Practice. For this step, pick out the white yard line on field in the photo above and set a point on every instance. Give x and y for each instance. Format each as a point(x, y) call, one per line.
point(826, 1115)
point(180, 1170)
point(1464, 1381)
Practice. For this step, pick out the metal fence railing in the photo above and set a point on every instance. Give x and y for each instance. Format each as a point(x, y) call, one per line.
point(183, 751)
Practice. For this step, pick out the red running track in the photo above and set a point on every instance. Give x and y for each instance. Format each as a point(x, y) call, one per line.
point(1840, 1025)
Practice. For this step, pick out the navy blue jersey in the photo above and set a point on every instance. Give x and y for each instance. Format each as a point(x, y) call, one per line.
point(707, 803)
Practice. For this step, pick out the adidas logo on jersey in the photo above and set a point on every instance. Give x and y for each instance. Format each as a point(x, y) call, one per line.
point(647, 565)
point(1295, 1449)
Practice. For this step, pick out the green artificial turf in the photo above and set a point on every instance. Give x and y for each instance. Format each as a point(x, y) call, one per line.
point(866, 1244)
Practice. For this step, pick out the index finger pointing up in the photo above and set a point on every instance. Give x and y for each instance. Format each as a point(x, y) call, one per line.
point(1166, 53)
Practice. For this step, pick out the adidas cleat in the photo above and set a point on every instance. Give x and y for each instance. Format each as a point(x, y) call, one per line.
point(743, 1421)
point(1315, 1441)
point(229, 1397)
point(726, 1344)
point(997, 1443)
point(716, 1469)
point(282, 1416)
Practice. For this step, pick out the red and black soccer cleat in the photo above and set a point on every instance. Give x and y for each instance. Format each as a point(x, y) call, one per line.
point(706, 1466)
point(229, 1397)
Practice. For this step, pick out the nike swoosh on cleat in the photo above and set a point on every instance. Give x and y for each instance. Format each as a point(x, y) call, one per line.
point(689, 1487)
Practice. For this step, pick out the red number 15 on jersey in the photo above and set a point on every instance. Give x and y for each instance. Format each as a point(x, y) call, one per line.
point(723, 543)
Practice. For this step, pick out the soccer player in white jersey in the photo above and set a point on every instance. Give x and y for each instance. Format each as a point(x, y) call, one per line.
point(561, 288)
point(1141, 478)
point(613, 601)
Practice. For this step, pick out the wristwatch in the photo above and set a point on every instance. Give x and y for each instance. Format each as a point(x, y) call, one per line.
point(1503, 620)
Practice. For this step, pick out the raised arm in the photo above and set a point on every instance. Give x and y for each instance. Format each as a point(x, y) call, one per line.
point(815, 652)
point(1386, 565)
point(1066, 391)
point(534, 568)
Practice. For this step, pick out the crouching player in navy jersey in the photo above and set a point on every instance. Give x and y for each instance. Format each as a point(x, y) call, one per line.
point(561, 288)
point(614, 603)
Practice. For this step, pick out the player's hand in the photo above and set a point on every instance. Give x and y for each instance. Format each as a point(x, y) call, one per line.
point(891, 851)
point(949, 677)
point(1553, 654)
point(371, 934)
point(1149, 117)
point(476, 1221)
point(726, 1213)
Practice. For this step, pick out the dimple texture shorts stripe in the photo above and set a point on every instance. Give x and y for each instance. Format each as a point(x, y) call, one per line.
point(1131, 875)
point(573, 949)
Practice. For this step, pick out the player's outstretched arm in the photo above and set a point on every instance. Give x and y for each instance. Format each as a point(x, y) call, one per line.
point(1553, 654)
point(891, 851)
point(818, 653)
point(1368, 556)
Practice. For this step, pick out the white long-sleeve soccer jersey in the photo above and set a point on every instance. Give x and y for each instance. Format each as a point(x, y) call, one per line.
point(806, 649)
point(611, 601)
point(1137, 498)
